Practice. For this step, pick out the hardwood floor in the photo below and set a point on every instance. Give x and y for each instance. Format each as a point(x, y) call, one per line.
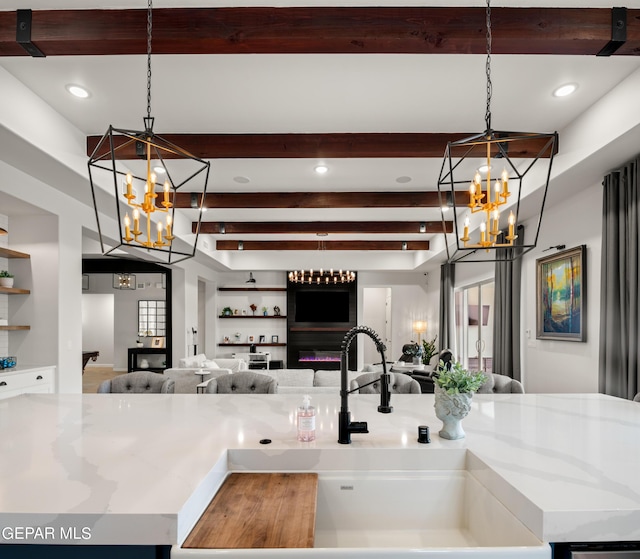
point(93, 376)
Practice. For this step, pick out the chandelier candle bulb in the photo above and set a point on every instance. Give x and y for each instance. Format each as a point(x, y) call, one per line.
point(127, 228)
point(505, 183)
point(159, 233)
point(136, 222)
point(465, 235)
point(129, 195)
point(166, 202)
point(169, 236)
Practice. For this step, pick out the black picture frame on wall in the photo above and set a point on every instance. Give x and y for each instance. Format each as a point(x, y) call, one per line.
point(561, 296)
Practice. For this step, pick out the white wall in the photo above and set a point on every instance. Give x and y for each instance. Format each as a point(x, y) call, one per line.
point(559, 366)
point(374, 300)
point(98, 327)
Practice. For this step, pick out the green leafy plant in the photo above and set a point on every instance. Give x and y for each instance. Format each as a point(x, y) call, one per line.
point(458, 380)
point(227, 311)
point(5, 274)
point(428, 350)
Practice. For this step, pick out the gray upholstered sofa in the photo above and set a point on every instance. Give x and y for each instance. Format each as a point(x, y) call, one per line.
point(192, 371)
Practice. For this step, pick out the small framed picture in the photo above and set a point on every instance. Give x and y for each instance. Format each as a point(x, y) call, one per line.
point(157, 342)
point(262, 339)
point(251, 339)
point(274, 339)
point(226, 340)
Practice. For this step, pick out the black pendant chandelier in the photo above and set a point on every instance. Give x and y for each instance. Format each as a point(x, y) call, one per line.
point(141, 223)
point(486, 232)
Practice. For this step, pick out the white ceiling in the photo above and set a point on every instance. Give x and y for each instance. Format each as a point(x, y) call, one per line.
point(319, 93)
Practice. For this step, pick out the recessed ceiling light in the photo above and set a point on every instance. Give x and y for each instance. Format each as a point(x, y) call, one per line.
point(159, 170)
point(445, 209)
point(78, 91)
point(321, 169)
point(484, 168)
point(241, 180)
point(565, 90)
point(322, 234)
point(403, 180)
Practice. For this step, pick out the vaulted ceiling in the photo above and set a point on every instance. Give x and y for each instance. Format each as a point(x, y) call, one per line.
point(374, 93)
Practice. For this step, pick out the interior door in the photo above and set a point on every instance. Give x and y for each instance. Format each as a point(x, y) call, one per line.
point(474, 326)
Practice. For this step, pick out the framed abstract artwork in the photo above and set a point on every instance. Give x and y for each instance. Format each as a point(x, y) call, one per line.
point(561, 296)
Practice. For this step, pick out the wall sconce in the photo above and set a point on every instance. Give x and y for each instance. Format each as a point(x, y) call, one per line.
point(124, 281)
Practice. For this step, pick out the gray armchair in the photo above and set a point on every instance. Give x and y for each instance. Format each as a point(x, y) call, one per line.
point(500, 384)
point(138, 382)
point(636, 398)
point(399, 383)
point(242, 382)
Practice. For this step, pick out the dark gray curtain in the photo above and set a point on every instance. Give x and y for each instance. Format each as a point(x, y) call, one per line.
point(447, 329)
point(619, 305)
point(506, 314)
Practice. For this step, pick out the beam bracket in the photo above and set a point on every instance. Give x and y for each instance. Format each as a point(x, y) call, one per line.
point(23, 34)
point(618, 32)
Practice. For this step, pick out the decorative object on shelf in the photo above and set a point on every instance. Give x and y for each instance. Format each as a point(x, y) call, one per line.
point(274, 339)
point(264, 311)
point(561, 297)
point(157, 341)
point(6, 279)
point(227, 311)
point(262, 339)
point(139, 343)
point(428, 350)
point(489, 200)
point(251, 278)
point(226, 340)
point(253, 308)
point(144, 364)
point(236, 312)
point(124, 281)
point(454, 388)
point(276, 311)
point(251, 339)
point(144, 232)
point(237, 336)
point(8, 362)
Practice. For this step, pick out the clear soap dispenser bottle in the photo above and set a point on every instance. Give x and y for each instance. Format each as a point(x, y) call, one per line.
point(306, 421)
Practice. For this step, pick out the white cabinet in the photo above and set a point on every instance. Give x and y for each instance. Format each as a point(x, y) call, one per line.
point(23, 380)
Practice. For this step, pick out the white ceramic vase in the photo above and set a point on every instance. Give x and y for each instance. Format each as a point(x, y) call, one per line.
point(451, 409)
point(6, 282)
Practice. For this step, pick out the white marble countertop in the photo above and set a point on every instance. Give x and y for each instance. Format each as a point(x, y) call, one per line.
point(139, 469)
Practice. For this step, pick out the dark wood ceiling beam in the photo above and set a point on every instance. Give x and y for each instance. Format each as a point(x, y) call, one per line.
point(417, 30)
point(315, 227)
point(327, 200)
point(338, 145)
point(326, 245)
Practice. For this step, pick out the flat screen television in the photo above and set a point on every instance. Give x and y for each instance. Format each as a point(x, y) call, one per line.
point(322, 306)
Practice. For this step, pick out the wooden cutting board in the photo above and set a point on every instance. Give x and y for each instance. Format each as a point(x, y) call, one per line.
point(259, 510)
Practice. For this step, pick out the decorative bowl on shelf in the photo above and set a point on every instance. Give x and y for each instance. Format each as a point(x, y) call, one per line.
point(8, 362)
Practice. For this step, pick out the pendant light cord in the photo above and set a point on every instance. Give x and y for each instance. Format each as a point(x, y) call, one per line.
point(487, 115)
point(149, 29)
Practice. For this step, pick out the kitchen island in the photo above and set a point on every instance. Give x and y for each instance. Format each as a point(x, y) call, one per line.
point(139, 469)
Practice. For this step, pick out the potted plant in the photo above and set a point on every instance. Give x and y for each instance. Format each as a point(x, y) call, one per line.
point(227, 311)
point(6, 279)
point(264, 311)
point(428, 350)
point(454, 389)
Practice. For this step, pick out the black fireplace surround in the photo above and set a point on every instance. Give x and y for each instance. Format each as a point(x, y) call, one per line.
point(318, 317)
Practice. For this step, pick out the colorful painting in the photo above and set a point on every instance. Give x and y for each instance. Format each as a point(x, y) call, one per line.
point(561, 296)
